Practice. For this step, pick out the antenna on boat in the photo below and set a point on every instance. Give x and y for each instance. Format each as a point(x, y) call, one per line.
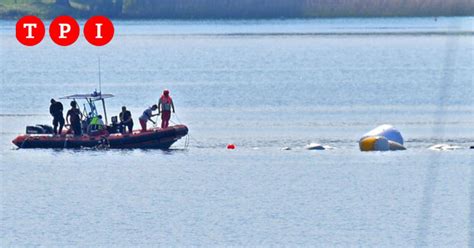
point(100, 95)
point(100, 83)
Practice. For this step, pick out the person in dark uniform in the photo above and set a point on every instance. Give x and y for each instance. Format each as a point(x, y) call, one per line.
point(74, 117)
point(126, 120)
point(56, 110)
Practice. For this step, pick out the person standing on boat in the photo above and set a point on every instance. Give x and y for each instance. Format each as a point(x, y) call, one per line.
point(56, 110)
point(165, 105)
point(74, 117)
point(146, 116)
point(126, 120)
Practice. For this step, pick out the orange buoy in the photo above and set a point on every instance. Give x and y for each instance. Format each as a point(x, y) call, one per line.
point(231, 146)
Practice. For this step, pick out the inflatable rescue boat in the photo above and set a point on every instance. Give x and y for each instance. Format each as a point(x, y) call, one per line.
point(155, 138)
point(41, 136)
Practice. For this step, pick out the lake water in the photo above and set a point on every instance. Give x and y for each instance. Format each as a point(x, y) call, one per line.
point(261, 85)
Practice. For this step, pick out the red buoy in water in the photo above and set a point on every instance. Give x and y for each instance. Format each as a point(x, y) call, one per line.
point(231, 146)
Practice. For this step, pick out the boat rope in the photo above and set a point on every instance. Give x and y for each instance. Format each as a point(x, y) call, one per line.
point(177, 118)
point(186, 141)
point(196, 141)
point(65, 142)
point(156, 122)
point(174, 123)
point(189, 137)
point(186, 137)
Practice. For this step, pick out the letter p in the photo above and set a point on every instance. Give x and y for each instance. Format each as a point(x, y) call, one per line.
point(64, 28)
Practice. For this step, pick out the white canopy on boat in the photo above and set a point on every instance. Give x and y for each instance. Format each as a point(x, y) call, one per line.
point(94, 96)
point(90, 99)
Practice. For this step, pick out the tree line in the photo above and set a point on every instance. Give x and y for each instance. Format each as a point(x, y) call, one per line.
point(188, 9)
point(279, 8)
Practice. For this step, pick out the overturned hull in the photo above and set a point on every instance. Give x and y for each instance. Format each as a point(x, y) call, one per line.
point(379, 143)
point(155, 138)
point(382, 138)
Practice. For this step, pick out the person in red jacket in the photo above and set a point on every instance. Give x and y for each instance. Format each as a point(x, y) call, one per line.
point(165, 105)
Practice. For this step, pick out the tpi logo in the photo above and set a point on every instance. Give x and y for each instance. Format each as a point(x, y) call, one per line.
point(64, 30)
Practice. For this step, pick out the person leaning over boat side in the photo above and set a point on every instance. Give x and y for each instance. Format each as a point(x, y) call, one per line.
point(165, 105)
point(56, 110)
point(146, 116)
point(74, 117)
point(126, 120)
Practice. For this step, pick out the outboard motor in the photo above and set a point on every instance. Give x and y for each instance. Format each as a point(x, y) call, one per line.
point(47, 129)
point(39, 129)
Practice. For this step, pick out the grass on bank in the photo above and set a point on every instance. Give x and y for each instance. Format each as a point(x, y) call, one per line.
point(234, 9)
point(15, 9)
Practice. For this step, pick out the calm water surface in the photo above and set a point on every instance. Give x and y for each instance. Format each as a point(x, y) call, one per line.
point(262, 85)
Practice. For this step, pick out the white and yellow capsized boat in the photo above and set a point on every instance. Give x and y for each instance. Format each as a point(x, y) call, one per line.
point(382, 138)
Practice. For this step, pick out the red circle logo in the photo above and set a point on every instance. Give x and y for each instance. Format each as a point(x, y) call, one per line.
point(64, 30)
point(30, 30)
point(99, 30)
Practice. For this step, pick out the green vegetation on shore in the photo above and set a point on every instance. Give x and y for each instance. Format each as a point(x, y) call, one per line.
point(236, 9)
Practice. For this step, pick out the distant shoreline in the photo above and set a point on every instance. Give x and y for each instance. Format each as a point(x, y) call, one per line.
point(81, 17)
point(228, 10)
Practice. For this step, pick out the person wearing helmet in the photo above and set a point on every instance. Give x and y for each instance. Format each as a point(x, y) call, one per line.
point(165, 105)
